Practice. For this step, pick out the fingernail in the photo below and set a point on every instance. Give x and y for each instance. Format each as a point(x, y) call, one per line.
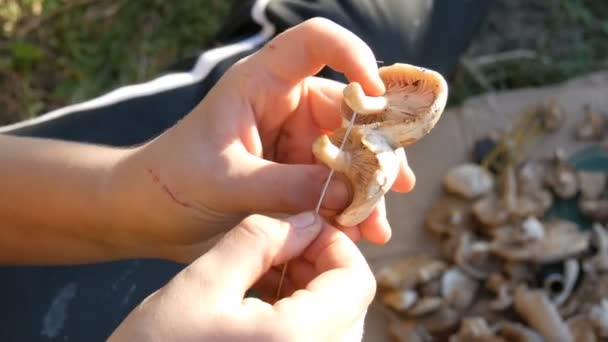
point(303, 220)
point(337, 196)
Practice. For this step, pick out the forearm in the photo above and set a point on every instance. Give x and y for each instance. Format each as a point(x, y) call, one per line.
point(55, 205)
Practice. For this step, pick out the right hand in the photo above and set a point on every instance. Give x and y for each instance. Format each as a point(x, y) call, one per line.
point(327, 289)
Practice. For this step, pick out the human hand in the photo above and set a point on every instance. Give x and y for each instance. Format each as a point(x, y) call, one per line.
point(247, 147)
point(328, 288)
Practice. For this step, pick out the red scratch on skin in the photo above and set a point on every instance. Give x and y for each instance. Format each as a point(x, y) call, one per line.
point(168, 191)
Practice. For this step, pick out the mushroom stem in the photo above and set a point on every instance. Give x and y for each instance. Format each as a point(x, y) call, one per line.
point(330, 154)
point(571, 271)
point(362, 104)
point(536, 308)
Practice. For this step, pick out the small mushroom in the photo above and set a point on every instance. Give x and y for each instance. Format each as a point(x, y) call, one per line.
point(560, 286)
point(531, 230)
point(490, 211)
point(431, 288)
point(425, 306)
point(541, 314)
point(440, 321)
point(598, 316)
point(413, 103)
point(592, 184)
point(516, 332)
point(404, 332)
point(599, 262)
point(400, 300)
point(468, 180)
point(458, 289)
point(409, 272)
point(562, 240)
point(449, 216)
point(551, 115)
point(595, 209)
point(561, 177)
point(475, 329)
point(500, 286)
point(473, 257)
point(592, 125)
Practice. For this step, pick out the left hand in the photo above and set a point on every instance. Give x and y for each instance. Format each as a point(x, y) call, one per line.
point(328, 289)
point(247, 146)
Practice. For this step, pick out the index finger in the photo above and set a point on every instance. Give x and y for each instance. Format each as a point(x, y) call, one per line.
point(305, 49)
point(342, 290)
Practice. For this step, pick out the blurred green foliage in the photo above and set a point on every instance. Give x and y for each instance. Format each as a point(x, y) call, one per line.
point(65, 51)
point(56, 52)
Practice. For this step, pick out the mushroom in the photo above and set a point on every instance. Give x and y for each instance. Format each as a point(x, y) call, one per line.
point(562, 240)
point(541, 314)
point(516, 332)
point(468, 180)
point(431, 288)
point(425, 306)
point(440, 321)
point(400, 300)
point(599, 262)
point(405, 332)
point(551, 115)
point(595, 209)
point(458, 289)
point(500, 286)
point(473, 257)
point(490, 211)
point(592, 184)
point(561, 177)
point(598, 316)
point(449, 216)
point(475, 329)
point(413, 103)
point(409, 272)
point(581, 329)
point(592, 126)
point(560, 286)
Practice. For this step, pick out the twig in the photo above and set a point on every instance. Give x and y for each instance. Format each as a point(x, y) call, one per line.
point(484, 60)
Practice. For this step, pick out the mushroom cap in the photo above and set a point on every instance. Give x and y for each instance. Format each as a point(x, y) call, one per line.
point(411, 106)
point(409, 272)
point(468, 180)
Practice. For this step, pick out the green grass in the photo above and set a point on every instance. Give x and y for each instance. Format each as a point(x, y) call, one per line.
point(56, 52)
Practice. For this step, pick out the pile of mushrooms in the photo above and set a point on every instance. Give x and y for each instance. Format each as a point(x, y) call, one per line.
point(509, 270)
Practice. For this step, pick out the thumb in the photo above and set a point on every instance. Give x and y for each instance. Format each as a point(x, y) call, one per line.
point(249, 250)
point(274, 187)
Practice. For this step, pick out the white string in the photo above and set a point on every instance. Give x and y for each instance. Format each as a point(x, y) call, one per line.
point(323, 192)
point(331, 173)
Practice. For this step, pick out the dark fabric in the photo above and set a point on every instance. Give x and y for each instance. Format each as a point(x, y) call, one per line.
point(86, 302)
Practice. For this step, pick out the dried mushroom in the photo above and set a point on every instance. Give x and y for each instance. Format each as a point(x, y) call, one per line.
point(458, 289)
point(541, 314)
point(409, 272)
point(599, 262)
point(490, 211)
point(413, 103)
point(560, 286)
point(595, 209)
point(516, 332)
point(468, 180)
point(400, 300)
point(592, 125)
point(450, 216)
point(562, 240)
point(502, 288)
point(552, 115)
point(561, 177)
point(475, 329)
point(425, 306)
point(592, 184)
